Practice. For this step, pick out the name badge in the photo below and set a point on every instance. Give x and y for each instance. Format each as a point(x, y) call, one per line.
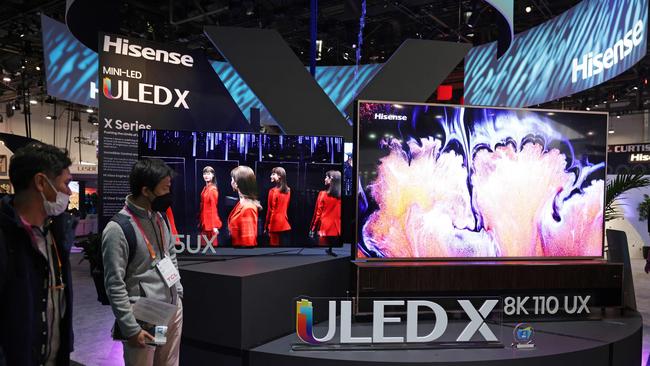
point(168, 271)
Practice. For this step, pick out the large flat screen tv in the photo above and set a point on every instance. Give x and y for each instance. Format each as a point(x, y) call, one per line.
point(205, 199)
point(459, 182)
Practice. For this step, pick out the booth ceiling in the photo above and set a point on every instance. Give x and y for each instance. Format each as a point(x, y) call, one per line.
point(388, 24)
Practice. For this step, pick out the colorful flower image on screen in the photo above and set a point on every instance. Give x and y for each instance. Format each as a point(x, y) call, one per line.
point(460, 182)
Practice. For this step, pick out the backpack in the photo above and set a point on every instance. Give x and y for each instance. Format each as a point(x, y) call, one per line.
point(98, 271)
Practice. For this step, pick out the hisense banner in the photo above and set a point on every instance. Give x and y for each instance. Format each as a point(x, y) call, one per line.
point(587, 45)
point(146, 85)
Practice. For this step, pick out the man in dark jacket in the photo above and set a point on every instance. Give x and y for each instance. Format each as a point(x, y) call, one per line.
point(35, 241)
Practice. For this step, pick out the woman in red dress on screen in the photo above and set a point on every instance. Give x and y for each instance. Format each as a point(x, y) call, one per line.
point(242, 221)
point(327, 214)
point(209, 220)
point(277, 222)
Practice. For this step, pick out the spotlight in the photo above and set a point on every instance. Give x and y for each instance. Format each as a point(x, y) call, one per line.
point(22, 35)
point(6, 79)
point(354, 45)
point(635, 87)
point(551, 113)
point(611, 131)
point(90, 110)
point(528, 9)
point(588, 108)
point(590, 133)
point(38, 68)
point(49, 116)
point(33, 101)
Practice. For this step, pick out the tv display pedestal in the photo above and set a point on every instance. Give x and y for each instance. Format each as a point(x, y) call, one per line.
point(239, 303)
point(601, 280)
point(613, 341)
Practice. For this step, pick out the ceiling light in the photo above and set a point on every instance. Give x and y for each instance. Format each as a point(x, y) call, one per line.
point(528, 9)
point(6, 79)
point(89, 110)
point(354, 46)
point(48, 116)
point(38, 68)
point(590, 133)
point(33, 101)
point(636, 88)
point(398, 106)
point(611, 131)
point(551, 113)
point(588, 108)
point(22, 35)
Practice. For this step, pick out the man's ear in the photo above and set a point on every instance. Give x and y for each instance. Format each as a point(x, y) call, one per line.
point(145, 191)
point(39, 182)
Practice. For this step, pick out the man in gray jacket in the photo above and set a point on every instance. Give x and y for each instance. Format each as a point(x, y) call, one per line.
point(129, 277)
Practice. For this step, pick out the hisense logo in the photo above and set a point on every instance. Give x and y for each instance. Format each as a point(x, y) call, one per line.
point(390, 117)
point(593, 63)
point(122, 47)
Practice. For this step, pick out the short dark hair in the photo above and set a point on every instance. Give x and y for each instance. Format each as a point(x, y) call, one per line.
point(148, 173)
point(34, 158)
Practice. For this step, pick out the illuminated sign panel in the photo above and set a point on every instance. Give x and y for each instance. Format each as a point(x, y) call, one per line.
point(582, 47)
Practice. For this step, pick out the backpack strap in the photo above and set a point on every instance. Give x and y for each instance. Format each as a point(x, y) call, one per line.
point(129, 233)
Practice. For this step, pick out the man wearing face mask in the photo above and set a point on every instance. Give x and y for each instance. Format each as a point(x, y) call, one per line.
point(35, 240)
point(129, 277)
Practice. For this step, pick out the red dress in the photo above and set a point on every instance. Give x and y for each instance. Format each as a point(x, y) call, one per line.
point(276, 215)
point(242, 223)
point(209, 216)
point(327, 217)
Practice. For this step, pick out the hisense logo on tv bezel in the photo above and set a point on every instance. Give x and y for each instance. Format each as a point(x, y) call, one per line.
point(389, 117)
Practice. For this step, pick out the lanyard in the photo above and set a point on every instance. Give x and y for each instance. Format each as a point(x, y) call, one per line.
point(58, 259)
point(152, 253)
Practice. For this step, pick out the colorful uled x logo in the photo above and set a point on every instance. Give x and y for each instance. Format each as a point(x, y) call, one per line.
point(305, 321)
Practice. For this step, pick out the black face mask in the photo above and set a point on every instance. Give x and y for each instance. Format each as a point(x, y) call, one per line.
point(162, 203)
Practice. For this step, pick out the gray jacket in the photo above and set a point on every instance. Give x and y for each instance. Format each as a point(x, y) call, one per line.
point(126, 284)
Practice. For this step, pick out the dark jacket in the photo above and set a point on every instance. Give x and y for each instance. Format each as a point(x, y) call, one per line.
point(23, 333)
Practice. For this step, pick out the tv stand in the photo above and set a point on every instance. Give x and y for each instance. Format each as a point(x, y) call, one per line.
point(330, 252)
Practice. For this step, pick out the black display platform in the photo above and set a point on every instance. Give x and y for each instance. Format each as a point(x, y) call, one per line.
point(233, 303)
point(612, 341)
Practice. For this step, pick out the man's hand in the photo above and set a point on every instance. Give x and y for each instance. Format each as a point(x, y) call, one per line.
point(647, 267)
point(139, 339)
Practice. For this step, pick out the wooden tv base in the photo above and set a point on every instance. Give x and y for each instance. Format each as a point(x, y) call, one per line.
point(598, 278)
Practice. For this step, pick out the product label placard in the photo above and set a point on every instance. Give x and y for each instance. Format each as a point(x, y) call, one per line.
point(145, 85)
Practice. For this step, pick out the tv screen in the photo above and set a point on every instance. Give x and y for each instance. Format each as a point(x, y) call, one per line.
point(440, 181)
point(251, 190)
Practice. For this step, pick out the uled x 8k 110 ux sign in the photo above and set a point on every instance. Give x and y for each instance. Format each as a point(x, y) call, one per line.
point(439, 181)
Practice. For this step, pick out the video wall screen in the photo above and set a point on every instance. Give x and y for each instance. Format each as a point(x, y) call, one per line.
point(255, 208)
point(454, 182)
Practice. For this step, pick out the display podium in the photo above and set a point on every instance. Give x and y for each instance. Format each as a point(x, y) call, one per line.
point(615, 341)
point(235, 303)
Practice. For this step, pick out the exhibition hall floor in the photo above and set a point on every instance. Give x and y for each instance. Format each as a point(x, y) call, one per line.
point(93, 322)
